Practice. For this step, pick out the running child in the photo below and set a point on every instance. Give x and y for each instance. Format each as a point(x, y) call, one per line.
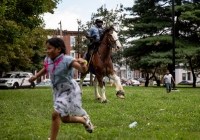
point(66, 91)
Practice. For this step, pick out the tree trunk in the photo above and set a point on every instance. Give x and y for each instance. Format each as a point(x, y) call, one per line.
point(156, 79)
point(158, 83)
point(13, 68)
point(1, 73)
point(193, 74)
point(147, 82)
point(147, 79)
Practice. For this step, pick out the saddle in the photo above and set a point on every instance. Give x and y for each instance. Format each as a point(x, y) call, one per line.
point(92, 49)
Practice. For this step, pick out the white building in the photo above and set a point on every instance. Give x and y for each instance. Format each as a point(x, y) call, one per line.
point(182, 73)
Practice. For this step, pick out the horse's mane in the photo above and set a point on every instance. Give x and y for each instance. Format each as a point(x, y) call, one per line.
point(106, 30)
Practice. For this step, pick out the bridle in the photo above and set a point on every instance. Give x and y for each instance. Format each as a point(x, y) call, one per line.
point(111, 43)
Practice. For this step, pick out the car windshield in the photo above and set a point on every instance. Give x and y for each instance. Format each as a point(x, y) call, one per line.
point(9, 76)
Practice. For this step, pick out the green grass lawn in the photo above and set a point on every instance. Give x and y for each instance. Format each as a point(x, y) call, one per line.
point(25, 114)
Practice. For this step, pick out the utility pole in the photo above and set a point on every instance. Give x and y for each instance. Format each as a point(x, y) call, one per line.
point(173, 43)
point(60, 28)
point(78, 40)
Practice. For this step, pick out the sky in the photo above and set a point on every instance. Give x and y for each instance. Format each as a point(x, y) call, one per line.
point(68, 11)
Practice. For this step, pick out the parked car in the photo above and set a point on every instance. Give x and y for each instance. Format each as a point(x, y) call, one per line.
point(198, 83)
point(86, 81)
point(16, 80)
point(107, 80)
point(44, 84)
point(123, 81)
point(135, 82)
point(129, 82)
point(184, 82)
point(141, 80)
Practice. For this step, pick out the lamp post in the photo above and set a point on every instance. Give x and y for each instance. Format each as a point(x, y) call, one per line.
point(173, 42)
point(78, 40)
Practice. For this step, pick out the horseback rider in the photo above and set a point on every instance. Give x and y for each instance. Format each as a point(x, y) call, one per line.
point(94, 35)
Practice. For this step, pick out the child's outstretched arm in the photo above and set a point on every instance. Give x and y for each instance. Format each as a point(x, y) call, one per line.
point(80, 64)
point(39, 74)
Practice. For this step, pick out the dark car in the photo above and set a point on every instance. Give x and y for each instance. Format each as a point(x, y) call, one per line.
point(184, 82)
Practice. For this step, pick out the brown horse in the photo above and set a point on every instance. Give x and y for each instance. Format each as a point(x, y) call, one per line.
point(102, 64)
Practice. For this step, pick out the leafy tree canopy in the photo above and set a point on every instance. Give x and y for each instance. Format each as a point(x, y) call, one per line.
point(21, 32)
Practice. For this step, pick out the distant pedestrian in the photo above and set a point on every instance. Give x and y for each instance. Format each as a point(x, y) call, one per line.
point(66, 91)
point(167, 80)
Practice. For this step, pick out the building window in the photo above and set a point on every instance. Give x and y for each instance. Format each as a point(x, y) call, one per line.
point(183, 76)
point(189, 75)
point(72, 41)
point(72, 53)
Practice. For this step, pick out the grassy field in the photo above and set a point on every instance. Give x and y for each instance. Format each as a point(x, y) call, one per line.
point(25, 114)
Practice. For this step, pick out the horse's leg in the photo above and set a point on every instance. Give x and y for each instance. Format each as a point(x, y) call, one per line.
point(100, 80)
point(119, 88)
point(96, 93)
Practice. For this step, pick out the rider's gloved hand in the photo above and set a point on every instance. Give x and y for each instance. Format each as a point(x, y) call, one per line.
point(94, 36)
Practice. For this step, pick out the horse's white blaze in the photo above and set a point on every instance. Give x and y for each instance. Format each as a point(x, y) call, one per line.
point(116, 79)
point(115, 37)
point(96, 92)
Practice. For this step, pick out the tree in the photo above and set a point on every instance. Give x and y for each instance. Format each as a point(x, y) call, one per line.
point(151, 22)
point(21, 29)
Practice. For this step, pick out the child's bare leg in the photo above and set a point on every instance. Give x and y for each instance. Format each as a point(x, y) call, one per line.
point(85, 120)
point(73, 119)
point(55, 125)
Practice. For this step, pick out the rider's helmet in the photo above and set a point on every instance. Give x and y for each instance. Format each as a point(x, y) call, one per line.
point(98, 20)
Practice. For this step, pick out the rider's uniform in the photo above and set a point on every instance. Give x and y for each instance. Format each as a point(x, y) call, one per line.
point(94, 31)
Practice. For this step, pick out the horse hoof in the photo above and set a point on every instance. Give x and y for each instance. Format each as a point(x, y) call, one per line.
point(104, 101)
point(120, 94)
point(99, 98)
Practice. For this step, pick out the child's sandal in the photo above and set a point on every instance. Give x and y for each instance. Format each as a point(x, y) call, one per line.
point(88, 125)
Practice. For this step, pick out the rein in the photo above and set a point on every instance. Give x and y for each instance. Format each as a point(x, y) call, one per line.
point(105, 65)
point(110, 41)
